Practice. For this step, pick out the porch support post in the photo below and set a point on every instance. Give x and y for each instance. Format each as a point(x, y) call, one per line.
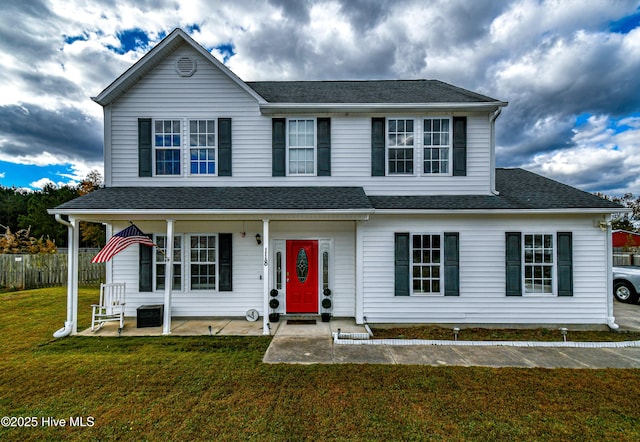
point(265, 277)
point(72, 278)
point(359, 275)
point(168, 281)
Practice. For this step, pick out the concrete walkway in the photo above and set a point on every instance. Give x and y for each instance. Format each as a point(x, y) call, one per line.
point(313, 344)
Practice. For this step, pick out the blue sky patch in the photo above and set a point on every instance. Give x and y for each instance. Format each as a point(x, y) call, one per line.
point(192, 28)
point(625, 24)
point(22, 175)
point(130, 40)
point(583, 119)
point(227, 50)
point(69, 39)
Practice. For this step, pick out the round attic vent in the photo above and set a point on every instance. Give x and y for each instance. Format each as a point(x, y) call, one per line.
point(185, 66)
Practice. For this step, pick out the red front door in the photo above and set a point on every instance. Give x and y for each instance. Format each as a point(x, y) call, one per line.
point(302, 276)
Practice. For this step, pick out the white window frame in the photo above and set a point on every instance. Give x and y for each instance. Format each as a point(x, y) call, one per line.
point(189, 147)
point(185, 263)
point(440, 264)
point(553, 265)
point(289, 147)
point(189, 262)
point(157, 263)
point(157, 148)
point(388, 147)
point(448, 146)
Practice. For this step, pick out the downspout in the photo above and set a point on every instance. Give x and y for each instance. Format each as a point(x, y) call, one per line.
point(492, 120)
point(609, 246)
point(68, 325)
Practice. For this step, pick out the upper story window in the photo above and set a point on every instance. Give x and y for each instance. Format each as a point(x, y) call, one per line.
point(301, 146)
point(400, 139)
point(167, 145)
point(202, 147)
point(170, 147)
point(436, 145)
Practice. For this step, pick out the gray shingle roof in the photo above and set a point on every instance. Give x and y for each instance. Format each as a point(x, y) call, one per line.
point(374, 91)
point(519, 190)
point(222, 198)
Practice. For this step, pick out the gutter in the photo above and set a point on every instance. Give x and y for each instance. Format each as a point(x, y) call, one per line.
point(68, 325)
point(276, 108)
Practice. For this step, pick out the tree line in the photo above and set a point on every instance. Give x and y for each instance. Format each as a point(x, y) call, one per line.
point(24, 220)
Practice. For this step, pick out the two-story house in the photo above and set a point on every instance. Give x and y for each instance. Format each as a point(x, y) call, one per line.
point(377, 200)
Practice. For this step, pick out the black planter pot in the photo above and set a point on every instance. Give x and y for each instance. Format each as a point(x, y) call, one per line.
point(274, 317)
point(325, 317)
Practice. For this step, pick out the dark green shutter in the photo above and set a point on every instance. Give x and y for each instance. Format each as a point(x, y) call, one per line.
point(324, 146)
point(402, 264)
point(451, 264)
point(224, 146)
point(225, 258)
point(145, 151)
point(279, 146)
point(377, 146)
point(145, 276)
point(513, 245)
point(565, 263)
point(459, 146)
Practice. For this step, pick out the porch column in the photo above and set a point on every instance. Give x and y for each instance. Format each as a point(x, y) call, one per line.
point(359, 275)
point(265, 277)
point(168, 281)
point(72, 276)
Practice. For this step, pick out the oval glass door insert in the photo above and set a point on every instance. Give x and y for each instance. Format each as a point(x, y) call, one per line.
point(302, 266)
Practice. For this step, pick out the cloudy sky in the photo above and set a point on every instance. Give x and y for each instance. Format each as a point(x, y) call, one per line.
point(570, 70)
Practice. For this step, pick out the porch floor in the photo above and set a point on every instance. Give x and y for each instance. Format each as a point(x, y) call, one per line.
point(229, 327)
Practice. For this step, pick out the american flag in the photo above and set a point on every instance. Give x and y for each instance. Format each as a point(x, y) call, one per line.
point(120, 241)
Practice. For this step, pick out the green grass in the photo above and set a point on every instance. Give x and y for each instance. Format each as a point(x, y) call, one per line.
point(216, 388)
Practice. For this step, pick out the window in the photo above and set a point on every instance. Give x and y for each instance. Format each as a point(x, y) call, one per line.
point(167, 144)
point(202, 152)
point(426, 260)
point(538, 263)
point(400, 146)
point(279, 270)
point(301, 141)
point(203, 262)
point(436, 145)
point(160, 258)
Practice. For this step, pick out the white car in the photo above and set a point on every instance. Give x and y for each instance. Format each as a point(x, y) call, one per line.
point(626, 283)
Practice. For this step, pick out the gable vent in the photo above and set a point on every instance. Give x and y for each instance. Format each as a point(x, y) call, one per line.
point(185, 66)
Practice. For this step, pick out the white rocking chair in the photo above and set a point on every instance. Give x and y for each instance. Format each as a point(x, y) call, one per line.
point(111, 307)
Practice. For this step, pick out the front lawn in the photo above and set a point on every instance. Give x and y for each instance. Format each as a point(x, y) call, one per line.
point(217, 388)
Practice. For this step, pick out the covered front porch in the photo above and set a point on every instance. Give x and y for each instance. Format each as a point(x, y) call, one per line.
point(241, 281)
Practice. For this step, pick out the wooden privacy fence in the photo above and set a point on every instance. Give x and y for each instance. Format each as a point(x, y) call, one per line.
point(46, 270)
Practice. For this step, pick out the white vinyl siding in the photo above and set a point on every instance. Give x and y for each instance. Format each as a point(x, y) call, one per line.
point(482, 273)
point(209, 94)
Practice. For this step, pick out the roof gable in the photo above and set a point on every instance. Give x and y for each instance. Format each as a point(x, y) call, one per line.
point(156, 55)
